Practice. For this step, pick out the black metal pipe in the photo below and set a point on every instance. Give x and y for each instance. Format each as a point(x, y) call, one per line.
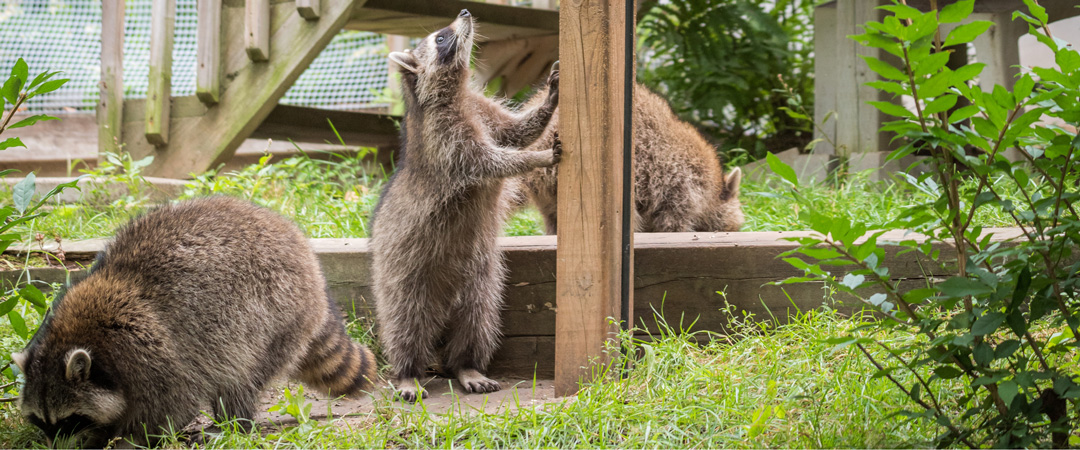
point(628, 175)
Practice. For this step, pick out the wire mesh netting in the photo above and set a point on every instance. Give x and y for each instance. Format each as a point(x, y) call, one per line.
point(65, 35)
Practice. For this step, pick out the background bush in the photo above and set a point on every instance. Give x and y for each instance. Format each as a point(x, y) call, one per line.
point(718, 62)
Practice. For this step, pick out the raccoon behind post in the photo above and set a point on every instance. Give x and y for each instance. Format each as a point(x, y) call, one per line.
point(679, 184)
point(437, 273)
point(192, 305)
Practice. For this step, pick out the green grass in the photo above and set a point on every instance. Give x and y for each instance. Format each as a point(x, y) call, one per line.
point(764, 386)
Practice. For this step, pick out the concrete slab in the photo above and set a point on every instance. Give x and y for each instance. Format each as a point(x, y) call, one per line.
point(444, 395)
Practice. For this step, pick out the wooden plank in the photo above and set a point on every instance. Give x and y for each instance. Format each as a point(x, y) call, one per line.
point(111, 99)
point(208, 51)
point(544, 4)
point(159, 90)
point(869, 118)
point(590, 228)
point(419, 17)
point(310, 125)
point(847, 98)
point(308, 9)
point(999, 48)
point(249, 92)
point(520, 63)
point(826, 78)
point(257, 29)
point(677, 274)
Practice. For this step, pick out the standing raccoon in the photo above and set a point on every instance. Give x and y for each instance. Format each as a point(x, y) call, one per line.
point(437, 272)
point(679, 184)
point(192, 305)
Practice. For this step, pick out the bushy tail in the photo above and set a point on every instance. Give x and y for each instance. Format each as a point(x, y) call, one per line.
point(335, 364)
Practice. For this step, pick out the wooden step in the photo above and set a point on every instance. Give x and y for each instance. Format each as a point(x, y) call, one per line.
point(419, 17)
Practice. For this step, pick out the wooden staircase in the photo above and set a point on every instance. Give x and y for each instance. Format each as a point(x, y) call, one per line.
point(251, 51)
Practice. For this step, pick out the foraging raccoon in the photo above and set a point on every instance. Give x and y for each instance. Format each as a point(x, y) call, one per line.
point(437, 273)
point(679, 184)
point(196, 304)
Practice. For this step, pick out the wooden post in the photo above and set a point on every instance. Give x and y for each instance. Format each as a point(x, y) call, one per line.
point(589, 257)
point(257, 29)
point(999, 48)
point(110, 117)
point(544, 4)
point(308, 9)
point(159, 90)
point(826, 73)
point(208, 83)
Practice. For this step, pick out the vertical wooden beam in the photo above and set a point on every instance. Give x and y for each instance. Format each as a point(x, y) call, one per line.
point(110, 117)
point(589, 257)
point(999, 48)
point(395, 43)
point(159, 90)
point(257, 29)
point(826, 78)
point(308, 9)
point(544, 4)
point(208, 82)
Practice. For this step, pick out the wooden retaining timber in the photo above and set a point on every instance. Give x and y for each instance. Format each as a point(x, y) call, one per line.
point(676, 273)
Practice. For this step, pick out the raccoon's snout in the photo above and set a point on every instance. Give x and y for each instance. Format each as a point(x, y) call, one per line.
point(464, 13)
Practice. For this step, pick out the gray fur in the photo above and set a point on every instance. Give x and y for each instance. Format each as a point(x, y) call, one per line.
point(193, 305)
point(437, 273)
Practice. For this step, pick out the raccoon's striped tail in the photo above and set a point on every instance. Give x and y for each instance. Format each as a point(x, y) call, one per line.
point(335, 364)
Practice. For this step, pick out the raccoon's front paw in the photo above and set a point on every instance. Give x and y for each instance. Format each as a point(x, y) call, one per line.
point(553, 87)
point(409, 390)
point(556, 150)
point(476, 383)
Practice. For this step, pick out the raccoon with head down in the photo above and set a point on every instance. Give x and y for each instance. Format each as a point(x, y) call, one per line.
point(198, 304)
point(437, 273)
point(679, 184)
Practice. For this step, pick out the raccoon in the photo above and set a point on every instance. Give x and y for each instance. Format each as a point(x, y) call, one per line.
point(437, 272)
point(197, 304)
point(679, 184)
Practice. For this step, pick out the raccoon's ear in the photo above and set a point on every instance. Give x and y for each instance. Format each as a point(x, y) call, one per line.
point(731, 184)
point(78, 365)
point(20, 360)
point(406, 60)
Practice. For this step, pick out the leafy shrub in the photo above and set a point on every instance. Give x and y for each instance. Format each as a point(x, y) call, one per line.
point(718, 61)
point(1006, 322)
point(15, 301)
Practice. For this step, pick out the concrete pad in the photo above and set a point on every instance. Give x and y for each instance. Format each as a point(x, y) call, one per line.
point(444, 395)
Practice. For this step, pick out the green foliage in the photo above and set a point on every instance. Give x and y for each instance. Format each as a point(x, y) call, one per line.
point(16, 302)
point(1005, 323)
point(719, 63)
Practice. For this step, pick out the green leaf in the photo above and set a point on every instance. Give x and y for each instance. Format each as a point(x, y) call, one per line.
point(785, 171)
point(33, 295)
point(1017, 323)
point(1068, 60)
point(41, 78)
point(18, 324)
point(1008, 390)
point(940, 104)
point(956, 12)
point(892, 109)
point(1023, 87)
point(23, 193)
point(967, 32)
point(21, 71)
point(853, 281)
point(1006, 349)
point(964, 113)
point(948, 372)
point(1023, 283)
point(48, 87)
point(932, 63)
point(962, 287)
point(10, 91)
point(967, 73)
point(983, 354)
point(1037, 11)
point(8, 305)
point(11, 142)
point(884, 69)
point(32, 120)
point(987, 324)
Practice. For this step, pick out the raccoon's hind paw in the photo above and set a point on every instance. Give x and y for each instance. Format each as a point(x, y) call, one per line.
point(475, 383)
point(409, 390)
